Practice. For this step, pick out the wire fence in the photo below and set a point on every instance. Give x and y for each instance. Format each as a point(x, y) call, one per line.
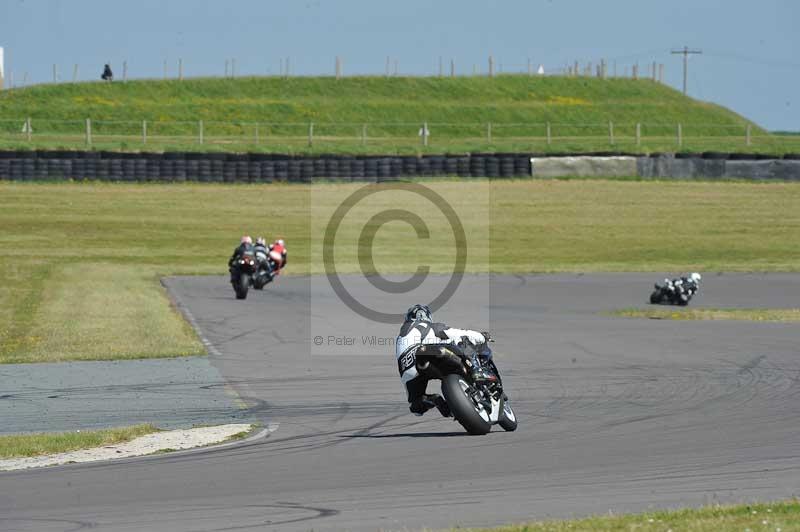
point(386, 135)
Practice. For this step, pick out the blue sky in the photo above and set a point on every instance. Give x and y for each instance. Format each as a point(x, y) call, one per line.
point(749, 63)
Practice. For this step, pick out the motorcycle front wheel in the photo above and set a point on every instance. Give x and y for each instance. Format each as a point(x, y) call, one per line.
point(508, 419)
point(655, 297)
point(241, 286)
point(471, 414)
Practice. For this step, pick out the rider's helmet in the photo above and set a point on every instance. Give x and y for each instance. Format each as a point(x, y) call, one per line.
point(695, 277)
point(279, 242)
point(419, 312)
point(260, 241)
point(247, 240)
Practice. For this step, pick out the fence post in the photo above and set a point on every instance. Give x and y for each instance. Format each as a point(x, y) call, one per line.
point(636, 71)
point(88, 131)
point(638, 134)
point(364, 134)
point(233, 67)
point(200, 131)
point(165, 69)
point(28, 129)
point(611, 132)
point(549, 136)
point(310, 134)
point(491, 66)
point(747, 138)
point(452, 68)
point(226, 67)
point(180, 69)
point(124, 71)
point(55, 74)
point(680, 135)
point(489, 132)
point(144, 131)
point(75, 73)
point(530, 68)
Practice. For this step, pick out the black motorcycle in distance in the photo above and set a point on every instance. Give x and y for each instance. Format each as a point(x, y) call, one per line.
point(677, 291)
point(264, 274)
point(242, 271)
point(474, 394)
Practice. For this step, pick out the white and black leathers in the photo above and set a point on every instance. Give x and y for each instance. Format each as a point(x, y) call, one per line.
point(419, 332)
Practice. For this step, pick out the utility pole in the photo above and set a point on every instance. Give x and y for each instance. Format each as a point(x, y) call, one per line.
point(686, 53)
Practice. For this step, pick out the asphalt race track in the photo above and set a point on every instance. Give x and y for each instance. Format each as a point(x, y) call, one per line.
point(615, 414)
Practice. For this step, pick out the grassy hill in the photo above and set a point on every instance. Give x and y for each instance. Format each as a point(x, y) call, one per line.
point(273, 114)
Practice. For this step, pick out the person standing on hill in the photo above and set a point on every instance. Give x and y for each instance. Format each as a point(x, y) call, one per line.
point(107, 74)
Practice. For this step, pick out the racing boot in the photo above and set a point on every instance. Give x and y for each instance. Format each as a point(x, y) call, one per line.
point(422, 404)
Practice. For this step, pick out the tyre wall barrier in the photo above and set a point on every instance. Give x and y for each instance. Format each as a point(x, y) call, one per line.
point(718, 165)
point(268, 168)
point(250, 168)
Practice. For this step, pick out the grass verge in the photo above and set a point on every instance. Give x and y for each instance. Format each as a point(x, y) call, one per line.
point(775, 517)
point(376, 115)
point(743, 314)
point(79, 263)
point(27, 445)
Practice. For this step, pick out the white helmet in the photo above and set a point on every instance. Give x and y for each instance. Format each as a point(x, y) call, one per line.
point(279, 242)
point(695, 277)
point(247, 240)
point(260, 241)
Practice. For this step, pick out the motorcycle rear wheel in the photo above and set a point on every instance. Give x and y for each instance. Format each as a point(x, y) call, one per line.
point(470, 414)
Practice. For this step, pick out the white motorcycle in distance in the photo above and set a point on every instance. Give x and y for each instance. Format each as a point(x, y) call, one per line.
point(676, 291)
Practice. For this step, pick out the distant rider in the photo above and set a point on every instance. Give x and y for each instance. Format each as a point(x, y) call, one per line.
point(278, 255)
point(686, 285)
point(417, 330)
point(261, 251)
point(245, 247)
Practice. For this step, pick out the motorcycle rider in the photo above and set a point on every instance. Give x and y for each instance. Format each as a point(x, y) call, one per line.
point(417, 330)
point(278, 255)
point(245, 247)
point(688, 284)
point(263, 266)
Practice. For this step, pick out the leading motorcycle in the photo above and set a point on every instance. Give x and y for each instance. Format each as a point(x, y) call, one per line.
point(471, 384)
point(242, 271)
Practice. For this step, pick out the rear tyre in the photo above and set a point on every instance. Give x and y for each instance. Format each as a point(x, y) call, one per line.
point(241, 286)
point(508, 420)
point(473, 417)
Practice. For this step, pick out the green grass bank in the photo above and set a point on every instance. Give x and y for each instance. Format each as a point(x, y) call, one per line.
point(374, 115)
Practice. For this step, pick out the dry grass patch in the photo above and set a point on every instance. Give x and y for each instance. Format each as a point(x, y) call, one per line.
point(741, 314)
point(774, 517)
point(26, 445)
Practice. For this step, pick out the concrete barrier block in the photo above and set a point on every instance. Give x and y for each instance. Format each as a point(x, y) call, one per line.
point(583, 166)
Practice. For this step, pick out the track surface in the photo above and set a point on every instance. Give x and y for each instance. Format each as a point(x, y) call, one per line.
point(615, 413)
